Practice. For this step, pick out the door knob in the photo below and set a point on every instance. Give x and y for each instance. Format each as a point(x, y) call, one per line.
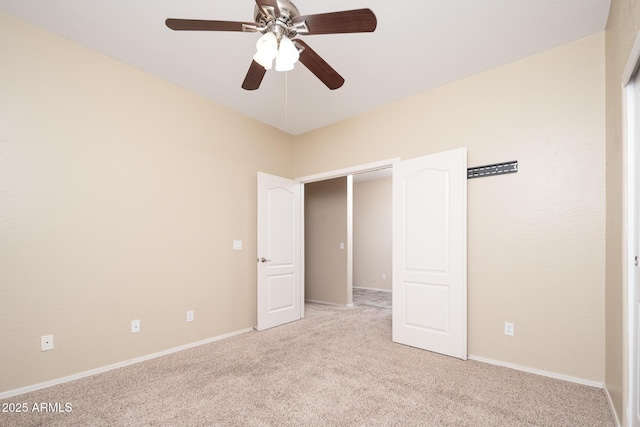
point(263, 259)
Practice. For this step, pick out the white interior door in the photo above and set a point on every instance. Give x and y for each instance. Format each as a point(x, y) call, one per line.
point(279, 241)
point(430, 252)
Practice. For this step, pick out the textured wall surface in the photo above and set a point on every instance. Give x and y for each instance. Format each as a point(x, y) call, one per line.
point(372, 234)
point(325, 227)
point(120, 197)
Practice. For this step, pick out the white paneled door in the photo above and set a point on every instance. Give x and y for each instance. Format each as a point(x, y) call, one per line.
point(279, 252)
point(430, 253)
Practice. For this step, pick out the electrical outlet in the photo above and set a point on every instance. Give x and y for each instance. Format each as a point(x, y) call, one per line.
point(190, 316)
point(46, 342)
point(508, 329)
point(384, 277)
point(135, 326)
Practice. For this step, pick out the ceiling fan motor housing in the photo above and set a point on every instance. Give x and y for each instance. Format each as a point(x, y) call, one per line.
point(280, 25)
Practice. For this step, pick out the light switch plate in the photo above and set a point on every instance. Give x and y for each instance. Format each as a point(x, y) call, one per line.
point(508, 329)
point(46, 342)
point(135, 326)
point(237, 245)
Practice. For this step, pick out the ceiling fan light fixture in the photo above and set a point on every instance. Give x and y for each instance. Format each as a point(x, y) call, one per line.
point(267, 49)
point(280, 22)
point(287, 55)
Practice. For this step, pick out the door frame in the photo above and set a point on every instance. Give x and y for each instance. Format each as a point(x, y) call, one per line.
point(338, 173)
point(631, 110)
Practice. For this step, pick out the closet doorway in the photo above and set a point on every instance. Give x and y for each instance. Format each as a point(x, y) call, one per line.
point(348, 245)
point(429, 247)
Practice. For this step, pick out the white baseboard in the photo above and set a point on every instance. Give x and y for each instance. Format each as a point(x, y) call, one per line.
point(538, 371)
point(328, 303)
point(616, 419)
point(122, 364)
point(372, 289)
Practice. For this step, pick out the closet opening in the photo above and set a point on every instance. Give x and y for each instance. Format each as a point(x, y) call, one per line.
point(348, 239)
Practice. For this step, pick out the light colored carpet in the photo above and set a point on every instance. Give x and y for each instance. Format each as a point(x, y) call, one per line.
point(337, 367)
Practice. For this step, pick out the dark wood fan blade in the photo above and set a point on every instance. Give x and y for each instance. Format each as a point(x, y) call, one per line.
point(202, 25)
point(254, 76)
point(348, 21)
point(269, 3)
point(319, 66)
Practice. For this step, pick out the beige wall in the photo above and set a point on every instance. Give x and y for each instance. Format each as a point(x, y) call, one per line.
point(372, 234)
point(120, 196)
point(622, 29)
point(325, 227)
point(535, 238)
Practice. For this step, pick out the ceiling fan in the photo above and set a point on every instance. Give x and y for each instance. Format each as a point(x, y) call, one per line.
point(280, 22)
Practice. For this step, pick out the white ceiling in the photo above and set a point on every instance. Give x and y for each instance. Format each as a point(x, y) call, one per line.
point(418, 45)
